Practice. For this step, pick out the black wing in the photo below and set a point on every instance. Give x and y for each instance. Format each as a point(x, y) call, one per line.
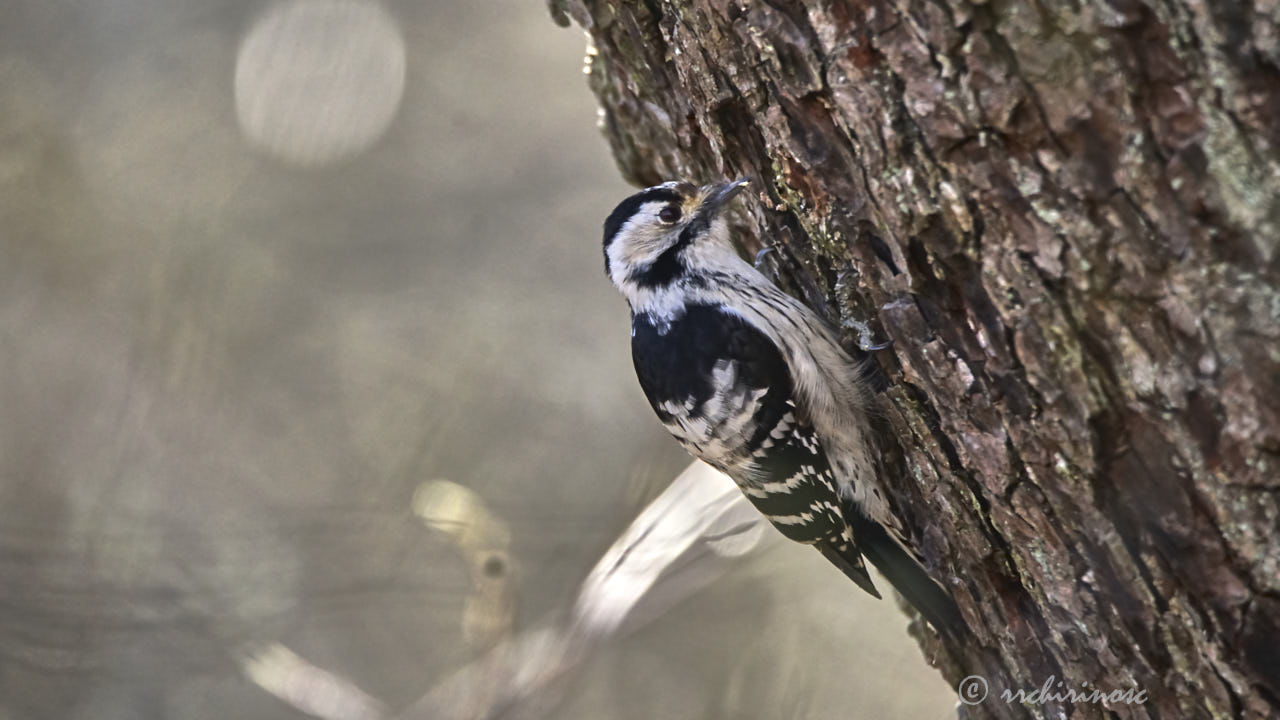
point(724, 390)
point(797, 491)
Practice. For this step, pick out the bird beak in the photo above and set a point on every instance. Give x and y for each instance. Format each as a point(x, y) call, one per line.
point(719, 195)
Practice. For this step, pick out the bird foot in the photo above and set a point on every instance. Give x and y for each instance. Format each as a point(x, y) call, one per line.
point(865, 335)
point(764, 252)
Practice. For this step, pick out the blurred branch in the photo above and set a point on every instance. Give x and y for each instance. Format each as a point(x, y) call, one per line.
point(311, 689)
point(484, 540)
point(680, 542)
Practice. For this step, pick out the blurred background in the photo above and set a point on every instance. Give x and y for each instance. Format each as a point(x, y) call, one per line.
point(291, 295)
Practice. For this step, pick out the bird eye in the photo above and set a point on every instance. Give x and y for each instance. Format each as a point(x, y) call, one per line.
point(669, 214)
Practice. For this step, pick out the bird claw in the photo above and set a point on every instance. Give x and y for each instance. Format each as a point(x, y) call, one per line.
point(764, 252)
point(864, 335)
point(863, 329)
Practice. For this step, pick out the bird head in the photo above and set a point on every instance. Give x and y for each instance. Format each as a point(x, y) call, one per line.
point(660, 234)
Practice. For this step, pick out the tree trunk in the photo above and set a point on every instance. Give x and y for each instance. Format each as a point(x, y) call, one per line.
point(1064, 217)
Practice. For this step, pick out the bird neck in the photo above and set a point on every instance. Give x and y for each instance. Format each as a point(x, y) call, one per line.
point(724, 281)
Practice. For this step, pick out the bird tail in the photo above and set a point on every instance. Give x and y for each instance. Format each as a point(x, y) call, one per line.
point(849, 560)
point(905, 573)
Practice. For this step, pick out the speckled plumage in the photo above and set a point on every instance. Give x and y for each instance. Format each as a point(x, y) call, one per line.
point(723, 389)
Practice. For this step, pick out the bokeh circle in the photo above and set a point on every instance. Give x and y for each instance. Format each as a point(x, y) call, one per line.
point(318, 81)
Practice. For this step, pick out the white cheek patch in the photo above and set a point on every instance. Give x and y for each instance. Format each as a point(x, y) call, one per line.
point(642, 238)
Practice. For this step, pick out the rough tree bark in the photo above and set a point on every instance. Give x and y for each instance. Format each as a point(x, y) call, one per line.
point(1064, 216)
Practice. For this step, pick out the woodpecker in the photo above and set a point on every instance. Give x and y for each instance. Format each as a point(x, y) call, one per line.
point(754, 383)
